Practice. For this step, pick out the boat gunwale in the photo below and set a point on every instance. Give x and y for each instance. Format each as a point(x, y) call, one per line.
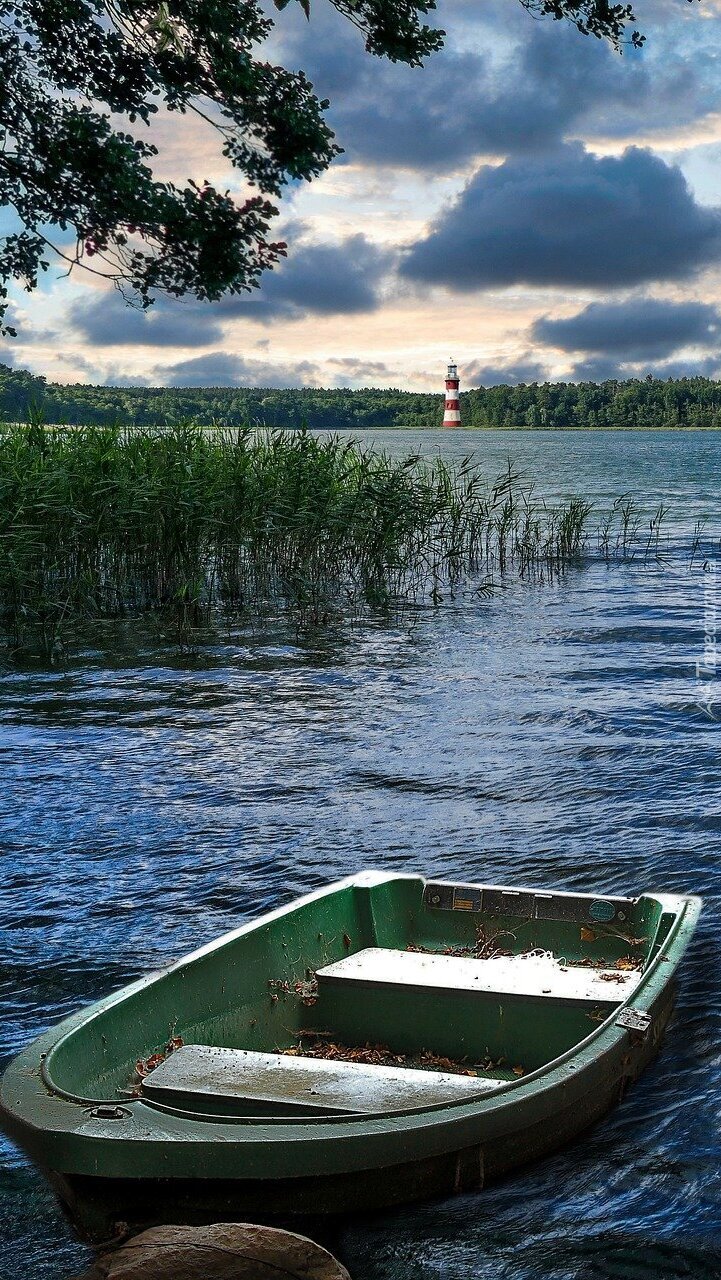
point(505, 1086)
point(683, 906)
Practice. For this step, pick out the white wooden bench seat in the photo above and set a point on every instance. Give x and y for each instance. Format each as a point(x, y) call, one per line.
point(541, 975)
point(199, 1077)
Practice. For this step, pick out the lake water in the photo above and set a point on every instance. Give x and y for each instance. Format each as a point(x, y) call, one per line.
point(554, 735)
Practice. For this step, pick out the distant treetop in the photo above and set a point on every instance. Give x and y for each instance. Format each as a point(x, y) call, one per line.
point(638, 402)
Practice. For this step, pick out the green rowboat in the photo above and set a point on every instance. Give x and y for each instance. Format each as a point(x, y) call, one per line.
point(381, 1040)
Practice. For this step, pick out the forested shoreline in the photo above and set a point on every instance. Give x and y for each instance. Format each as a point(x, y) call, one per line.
point(641, 404)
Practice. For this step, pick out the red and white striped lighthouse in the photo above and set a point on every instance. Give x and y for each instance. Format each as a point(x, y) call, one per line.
point(452, 415)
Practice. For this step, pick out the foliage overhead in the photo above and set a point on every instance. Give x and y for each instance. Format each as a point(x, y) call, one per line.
point(83, 187)
point(601, 18)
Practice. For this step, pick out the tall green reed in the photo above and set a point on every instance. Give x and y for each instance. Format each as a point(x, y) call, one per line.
point(99, 523)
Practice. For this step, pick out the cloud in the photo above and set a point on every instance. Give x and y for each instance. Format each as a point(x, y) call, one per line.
point(604, 369)
point(526, 369)
point(220, 369)
point(504, 84)
point(569, 218)
point(601, 369)
point(115, 377)
point(106, 320)
point(638, 329)
point(708, 367)
point(500, 96)
point(316, 279)
point(368, 372)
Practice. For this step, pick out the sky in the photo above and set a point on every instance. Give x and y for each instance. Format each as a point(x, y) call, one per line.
point(529, 204)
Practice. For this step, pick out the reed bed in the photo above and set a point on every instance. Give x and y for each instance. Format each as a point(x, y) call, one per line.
point(187, 524)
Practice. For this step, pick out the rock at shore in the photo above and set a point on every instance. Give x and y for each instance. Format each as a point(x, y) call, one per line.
point(225, 1251)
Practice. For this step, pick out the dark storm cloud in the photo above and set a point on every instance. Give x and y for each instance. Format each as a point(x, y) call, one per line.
point(569, 218)
point(527, 369)
point(105, 319)
point(460, 104)
point(638, 329)
point(456, 108)
point(599, 369)
point(316, 279)
point(219, 369)
point(603, 369)
point(505, 84)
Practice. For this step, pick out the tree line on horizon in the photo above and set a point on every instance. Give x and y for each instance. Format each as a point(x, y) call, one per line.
point(649, 402)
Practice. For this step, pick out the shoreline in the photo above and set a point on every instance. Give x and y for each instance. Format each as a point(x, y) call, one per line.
point(450, 431)
point(365, 427)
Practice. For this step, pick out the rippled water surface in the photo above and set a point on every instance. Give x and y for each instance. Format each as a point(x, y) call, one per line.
point(555, 735)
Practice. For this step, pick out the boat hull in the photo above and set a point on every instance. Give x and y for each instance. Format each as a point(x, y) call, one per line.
point(102, 1209)
point(123, 1157)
